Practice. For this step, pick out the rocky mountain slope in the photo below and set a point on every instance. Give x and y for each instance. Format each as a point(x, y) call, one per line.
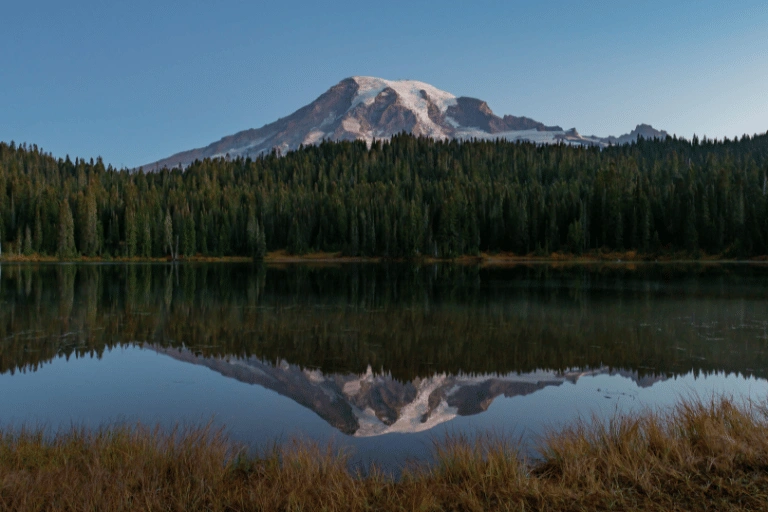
point(370, 108)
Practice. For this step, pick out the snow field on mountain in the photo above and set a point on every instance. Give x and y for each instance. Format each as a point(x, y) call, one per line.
point(409, 96)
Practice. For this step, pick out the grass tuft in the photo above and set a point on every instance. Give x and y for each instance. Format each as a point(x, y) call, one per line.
point(703, 455)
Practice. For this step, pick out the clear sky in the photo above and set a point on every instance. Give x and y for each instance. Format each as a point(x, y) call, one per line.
point(137, 81)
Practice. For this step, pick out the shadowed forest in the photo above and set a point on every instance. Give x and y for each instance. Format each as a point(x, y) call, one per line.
point(401, 198)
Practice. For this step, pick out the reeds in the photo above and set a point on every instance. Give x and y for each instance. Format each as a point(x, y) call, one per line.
point(700, 456)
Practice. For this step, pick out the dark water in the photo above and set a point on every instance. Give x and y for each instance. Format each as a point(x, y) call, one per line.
point(381, 359)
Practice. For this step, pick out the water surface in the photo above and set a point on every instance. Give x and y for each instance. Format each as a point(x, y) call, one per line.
point(378, 358)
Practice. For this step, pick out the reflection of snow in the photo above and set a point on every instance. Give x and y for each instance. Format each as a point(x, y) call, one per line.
point(368, 404)
point(446, 390)
point(410, 417)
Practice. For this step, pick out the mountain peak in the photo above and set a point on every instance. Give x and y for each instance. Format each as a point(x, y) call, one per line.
point(643, 130)
point(367, 108)
point(370, 87)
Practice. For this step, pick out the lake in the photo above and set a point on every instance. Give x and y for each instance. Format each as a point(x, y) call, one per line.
point(379, 359)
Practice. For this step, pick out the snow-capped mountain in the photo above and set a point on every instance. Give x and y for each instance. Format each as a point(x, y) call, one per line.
point(367, 405)
point(370, 108)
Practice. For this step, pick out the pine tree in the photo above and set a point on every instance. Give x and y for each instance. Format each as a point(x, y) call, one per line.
point(90, 235)
point(354, 238)
point(252, 233)
point(189, 244)
point(37, 237)
point(261, 242)
point(146, 238)
point(645, 225)
point(66, 245)
point(576, 237)
point(522, 238)
point(131, 232)
point(690, 234)
point(296, 241)
point(27, 241)
point(618, 236)
point(168, 231)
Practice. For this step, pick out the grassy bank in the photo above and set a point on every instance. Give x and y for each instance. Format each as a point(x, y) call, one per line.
point(701, 456)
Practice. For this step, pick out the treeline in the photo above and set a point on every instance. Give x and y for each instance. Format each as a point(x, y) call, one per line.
point(400, 198)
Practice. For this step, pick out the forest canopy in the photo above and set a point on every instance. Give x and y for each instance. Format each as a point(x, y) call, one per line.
point(400, 198)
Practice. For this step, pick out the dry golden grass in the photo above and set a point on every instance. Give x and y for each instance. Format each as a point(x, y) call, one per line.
point(701, 456)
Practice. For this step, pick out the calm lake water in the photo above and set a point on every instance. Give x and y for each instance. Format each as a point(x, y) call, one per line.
point(380, 359)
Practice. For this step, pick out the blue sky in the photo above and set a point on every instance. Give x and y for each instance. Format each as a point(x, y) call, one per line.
point(137, 81)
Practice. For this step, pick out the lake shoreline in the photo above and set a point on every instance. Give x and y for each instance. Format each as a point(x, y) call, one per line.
point(482, 259)
point(699, 455)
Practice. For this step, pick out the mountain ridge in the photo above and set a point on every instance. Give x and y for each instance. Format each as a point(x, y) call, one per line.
point(368, 108)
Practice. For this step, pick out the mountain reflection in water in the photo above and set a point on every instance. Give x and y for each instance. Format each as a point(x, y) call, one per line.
point(373, 349)
point(370, 405)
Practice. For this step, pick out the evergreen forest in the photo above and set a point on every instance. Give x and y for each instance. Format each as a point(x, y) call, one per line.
point(402, 198)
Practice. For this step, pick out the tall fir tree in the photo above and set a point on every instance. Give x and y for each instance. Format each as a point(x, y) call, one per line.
point(131, 232)
point(66, 246)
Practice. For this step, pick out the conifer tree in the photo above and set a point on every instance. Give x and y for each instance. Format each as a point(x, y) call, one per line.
point(90, 246)
point(168, 231)
point(146, 238)
point(354, 238)
point(27, 241)
point(576, 237)
point(189, 243)
point(37, 237)
point(296, 241)
point(261, 242)
point(66, 246)
point(252, 233)
point(645, 225)
point(131, 232)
